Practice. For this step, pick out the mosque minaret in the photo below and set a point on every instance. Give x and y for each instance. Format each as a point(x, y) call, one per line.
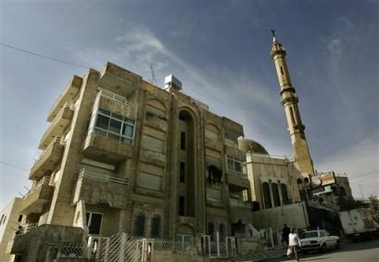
point(289, 101)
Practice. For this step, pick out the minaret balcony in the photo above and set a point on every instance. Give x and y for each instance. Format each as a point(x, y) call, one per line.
point(57, 127)
point(68, 94)
point(101, 188)
point(48, 160)
point(37, 197)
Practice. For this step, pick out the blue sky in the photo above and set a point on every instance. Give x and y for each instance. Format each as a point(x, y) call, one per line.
point(220, 50)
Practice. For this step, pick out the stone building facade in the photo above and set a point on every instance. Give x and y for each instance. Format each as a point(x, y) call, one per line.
point(122, 155)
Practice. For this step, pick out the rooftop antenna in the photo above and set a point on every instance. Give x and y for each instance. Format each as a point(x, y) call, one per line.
point(153, 80)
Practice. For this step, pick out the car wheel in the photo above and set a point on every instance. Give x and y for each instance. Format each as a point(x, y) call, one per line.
point(338, 242)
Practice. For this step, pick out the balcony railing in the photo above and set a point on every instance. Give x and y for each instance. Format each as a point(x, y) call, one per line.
point(57, 126)
point(47, 159)
point(239, 203)
point(41, 193)
point(102, 177)
point(117, 98)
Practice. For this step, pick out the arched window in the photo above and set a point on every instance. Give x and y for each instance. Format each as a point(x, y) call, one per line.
point(155, 230)
point(266, 195)
point(285, 199)
point(139, 225)
point(275, 193)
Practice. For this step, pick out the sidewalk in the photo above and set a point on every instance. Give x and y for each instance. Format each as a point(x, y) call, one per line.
point(261, 255)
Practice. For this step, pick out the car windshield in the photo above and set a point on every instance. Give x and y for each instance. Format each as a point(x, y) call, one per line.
point(310, 234)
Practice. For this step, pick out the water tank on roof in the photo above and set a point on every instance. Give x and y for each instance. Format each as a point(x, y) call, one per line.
point(172, 83)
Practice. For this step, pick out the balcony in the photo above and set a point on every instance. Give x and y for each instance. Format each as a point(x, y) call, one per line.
point(240, 211)
point(69, 93)
point(47, 160)
point(57, 127)
point(37, 197)
point(237, 180)
point(110, 189)
point(106, 149)
point(118, 78)
point(117, 104)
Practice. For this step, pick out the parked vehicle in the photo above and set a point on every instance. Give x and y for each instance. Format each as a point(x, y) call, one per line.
point(359, 224)
point(318, 240)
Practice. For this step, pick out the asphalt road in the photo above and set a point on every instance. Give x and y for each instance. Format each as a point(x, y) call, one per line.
point(366, 251)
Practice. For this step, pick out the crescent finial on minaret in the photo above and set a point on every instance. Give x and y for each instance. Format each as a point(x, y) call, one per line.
point(273, 35)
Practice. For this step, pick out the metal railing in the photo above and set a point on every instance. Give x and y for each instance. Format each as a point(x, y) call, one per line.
point(44, 181)
point(103, 177)
point(117, 98)
point(239, 203)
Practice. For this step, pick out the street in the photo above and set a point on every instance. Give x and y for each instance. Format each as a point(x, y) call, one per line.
point(366, 251)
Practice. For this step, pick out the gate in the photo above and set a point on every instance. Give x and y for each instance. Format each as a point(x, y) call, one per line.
point(119, 247)
point(218, 247)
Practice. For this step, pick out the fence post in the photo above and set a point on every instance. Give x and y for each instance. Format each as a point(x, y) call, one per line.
point(106, 249)
point(122, 247)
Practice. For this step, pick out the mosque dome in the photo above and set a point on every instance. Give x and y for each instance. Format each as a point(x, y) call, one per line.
point(248, 145)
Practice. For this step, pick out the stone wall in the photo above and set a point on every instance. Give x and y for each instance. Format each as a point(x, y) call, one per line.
point(34, 245)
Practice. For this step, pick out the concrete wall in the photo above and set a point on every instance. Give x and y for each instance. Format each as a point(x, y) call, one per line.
point(35, 245)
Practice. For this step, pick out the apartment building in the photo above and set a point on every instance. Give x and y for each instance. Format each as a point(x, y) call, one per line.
point(123, 155)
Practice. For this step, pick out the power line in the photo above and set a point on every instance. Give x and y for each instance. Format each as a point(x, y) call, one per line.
point(43, 56)
point(365, 174)
point(12, 165)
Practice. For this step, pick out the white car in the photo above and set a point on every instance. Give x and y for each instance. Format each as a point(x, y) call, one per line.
point(318, 240)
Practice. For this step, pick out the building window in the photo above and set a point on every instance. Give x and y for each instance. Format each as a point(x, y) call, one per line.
point(139, 225)
point(182, 174)
point(342, 191)
point(149, 181)
point(93, 223)
point(235, 166)
point(181, 206)
point(182, 140)
point(266, 195)
point(113, 125)
point(152, 143)
point(155, 231)
point(284, 193)
point(275, 193)
point(211, 230)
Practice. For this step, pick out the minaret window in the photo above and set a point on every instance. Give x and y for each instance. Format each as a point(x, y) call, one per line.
point(281, 70)
point(182, 140)
point(182, 174)
point(292, 116)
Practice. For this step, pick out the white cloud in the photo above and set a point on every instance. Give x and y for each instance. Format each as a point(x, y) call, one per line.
point(356, 161)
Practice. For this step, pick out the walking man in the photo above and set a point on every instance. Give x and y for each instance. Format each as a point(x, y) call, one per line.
point(293, 243)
